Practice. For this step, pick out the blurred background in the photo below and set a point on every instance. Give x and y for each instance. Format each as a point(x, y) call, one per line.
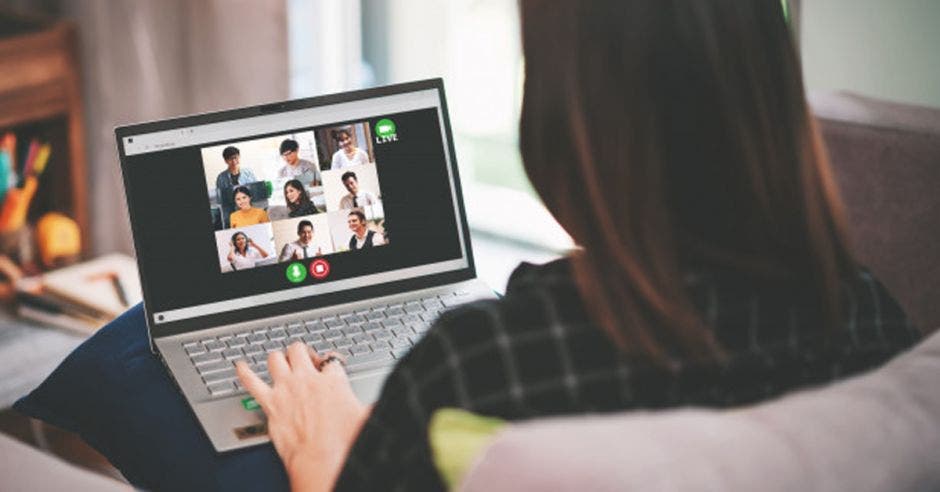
point(146, 59)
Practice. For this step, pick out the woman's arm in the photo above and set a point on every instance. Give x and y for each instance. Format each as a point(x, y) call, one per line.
point(264, 254)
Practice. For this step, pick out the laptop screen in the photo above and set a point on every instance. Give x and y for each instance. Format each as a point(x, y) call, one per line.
point(256, 211)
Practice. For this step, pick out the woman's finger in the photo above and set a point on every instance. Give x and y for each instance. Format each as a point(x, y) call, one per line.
point(255, 386)
point(277, 366)
point(299, 357)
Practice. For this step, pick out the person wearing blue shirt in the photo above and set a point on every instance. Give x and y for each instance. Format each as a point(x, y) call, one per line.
point(234, 175)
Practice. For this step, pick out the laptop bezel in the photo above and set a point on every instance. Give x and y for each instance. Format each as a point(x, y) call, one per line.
point(309, 302)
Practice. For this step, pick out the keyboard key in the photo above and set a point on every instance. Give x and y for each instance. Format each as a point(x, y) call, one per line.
point(313, 337)
point(351, 331)
point(233, 353)
point(410, 318)
point(254, 348)
point(379, 346)
point(352, 319)
point(402, 331)
point(362, 348)
point(344, 352)
point(278, 334)
point(322, 346)
point(206, 358)
point(391, 323)
point(332, 334)
point(272, 346)
point(294, 339)
point(401, 352)
point(400, 342)
point(394, 312)
point(296, 329)
point(375, 316)
point(195, 350)
point(342, 342)
point(215, 345)
point(237, 342)
point(226, 375)
point(363, 312)
point(383, 335)
point(433, 304)
point(369, 361)
point(362, 338)
point(335, 323)
point(415, 309)
point(420, 328)
point(221, 388)
point(191, 344)
point(314, 326)
point(213, 367)
point(259, 365)
point(257, 338)
point(372, 326)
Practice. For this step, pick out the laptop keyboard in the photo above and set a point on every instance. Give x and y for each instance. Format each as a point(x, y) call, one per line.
point(368, 338)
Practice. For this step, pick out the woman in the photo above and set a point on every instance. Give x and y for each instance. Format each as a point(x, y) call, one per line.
point(672, 140)
point(298, 201)
point(245, 215)
point(348, 154)
point(243, 252)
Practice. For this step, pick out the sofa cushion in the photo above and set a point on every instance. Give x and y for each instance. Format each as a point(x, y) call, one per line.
point(879, 431)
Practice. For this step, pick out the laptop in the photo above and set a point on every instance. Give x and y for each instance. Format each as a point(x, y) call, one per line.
point(335, 221)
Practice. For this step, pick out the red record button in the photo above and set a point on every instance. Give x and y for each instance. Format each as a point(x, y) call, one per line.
point(320, 268)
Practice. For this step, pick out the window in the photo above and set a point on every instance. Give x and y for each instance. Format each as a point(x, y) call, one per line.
point(474, 46)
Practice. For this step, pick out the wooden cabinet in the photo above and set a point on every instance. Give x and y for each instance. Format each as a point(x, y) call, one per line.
point(40, 96)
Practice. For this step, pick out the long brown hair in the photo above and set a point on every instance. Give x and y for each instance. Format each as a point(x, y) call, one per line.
point(665, 135)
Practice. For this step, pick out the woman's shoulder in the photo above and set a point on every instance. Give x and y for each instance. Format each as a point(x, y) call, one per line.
point(539, 300)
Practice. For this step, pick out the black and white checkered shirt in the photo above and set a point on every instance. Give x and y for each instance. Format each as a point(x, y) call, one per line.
point(534, 353)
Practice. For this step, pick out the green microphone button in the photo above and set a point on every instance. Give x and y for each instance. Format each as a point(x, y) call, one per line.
point(296, 272)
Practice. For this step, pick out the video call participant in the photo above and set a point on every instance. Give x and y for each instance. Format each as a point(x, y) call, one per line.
point(246, 215)
point(348, 154)
point(295, 167)
point(355, 198)
point(362, 237)
point(298, 201)
point(243, 252)
point(303, 246)
point(234, 175)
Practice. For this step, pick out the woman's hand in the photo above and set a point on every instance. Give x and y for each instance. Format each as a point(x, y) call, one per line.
point(313, 415)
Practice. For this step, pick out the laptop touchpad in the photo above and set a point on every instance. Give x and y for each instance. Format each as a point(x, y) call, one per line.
point(368, 386)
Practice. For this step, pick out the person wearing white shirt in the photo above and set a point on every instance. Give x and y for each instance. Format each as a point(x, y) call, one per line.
point(243, 252)
point(356, 197)
point(303, 246)
point(348, 154)
point(362, 237)
point(296, 168)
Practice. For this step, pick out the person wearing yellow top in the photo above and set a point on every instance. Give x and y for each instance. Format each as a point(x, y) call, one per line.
point(246, 215)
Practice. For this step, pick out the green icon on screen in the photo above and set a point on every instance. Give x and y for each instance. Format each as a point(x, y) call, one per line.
point(385, 131)
point(296, 272)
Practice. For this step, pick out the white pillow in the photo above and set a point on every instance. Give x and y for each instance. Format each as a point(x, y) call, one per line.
point(875, 432)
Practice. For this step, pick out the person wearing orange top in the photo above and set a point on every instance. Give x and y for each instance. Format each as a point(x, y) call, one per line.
point(246, 215)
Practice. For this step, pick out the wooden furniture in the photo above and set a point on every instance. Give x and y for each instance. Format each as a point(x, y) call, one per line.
point(40, 96)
